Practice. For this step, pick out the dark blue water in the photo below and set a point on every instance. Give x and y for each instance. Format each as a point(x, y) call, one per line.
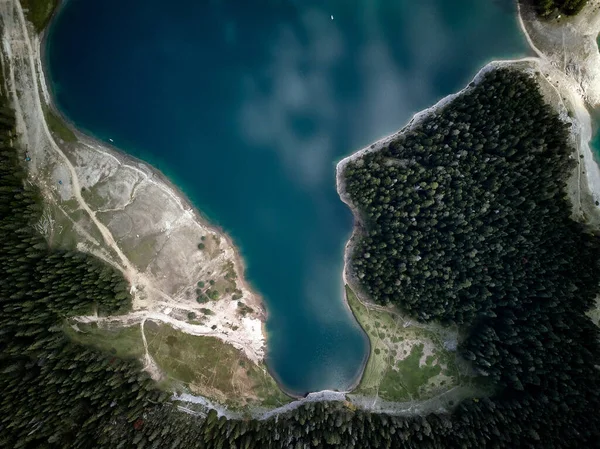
point(248, 104)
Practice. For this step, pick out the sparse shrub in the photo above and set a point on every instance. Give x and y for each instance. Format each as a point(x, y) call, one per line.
point(243, 309)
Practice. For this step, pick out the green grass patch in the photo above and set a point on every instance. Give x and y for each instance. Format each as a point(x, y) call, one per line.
point(39, 12)
point(227, 284)
point(140, 251)
point(63, 234)
point(410, 378)
point(267, 390)
point(91, 196)
point(392, 371)
point(124, 342)
point(58, 126)
point(205, 365)
point(210, 367)
point(377, 363)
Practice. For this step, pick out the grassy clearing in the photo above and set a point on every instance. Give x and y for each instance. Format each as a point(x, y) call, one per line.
point(124, 342)
point(209, 367)
point(405, 363)
point(63, 234)
point(594, 312)
point(406, 381)
point(58, 126)
point(221, 285)
point(203, 365)
point(140, 251)
point(69, 225)
point(39, 12)
point(227, 284)
point(93, 198)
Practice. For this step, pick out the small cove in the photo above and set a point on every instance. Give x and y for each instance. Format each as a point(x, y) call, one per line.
point(247, 108)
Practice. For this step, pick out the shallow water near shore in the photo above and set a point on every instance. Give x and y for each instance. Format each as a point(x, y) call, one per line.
point(595, 142)
point(247, 106)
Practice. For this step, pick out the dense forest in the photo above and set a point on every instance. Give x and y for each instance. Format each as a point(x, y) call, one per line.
point(467, 221)
point(536, 339)
point(569, 7)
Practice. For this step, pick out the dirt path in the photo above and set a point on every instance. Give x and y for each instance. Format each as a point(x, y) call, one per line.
point(140, 317)
point(149, 364)
point(22, 62)
point(128, 270)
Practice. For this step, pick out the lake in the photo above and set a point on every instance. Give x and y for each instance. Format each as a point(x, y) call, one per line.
point(248, 105)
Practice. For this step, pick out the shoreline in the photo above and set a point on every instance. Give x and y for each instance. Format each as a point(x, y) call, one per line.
point(582, 137)
point(137, 164)
point(169, 187)
point(581, 89)
point(160, 179)
point(358, 224)
point(152, 175)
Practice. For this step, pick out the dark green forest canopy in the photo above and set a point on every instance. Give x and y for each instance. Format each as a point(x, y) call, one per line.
point(57, 394)
point(467, 221)
point(547, 7)
point(467, 211)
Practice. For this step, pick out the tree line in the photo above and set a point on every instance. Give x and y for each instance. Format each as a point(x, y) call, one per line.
point(568, 7)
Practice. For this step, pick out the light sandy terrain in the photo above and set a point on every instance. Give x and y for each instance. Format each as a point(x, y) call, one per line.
point(127, 214)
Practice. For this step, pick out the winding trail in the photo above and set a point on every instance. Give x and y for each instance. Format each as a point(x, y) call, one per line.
point(129, 270)
point(140, 317)
point(149, 364)
point(27, 85)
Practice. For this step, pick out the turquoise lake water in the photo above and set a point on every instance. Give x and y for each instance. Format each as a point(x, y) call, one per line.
point(247, 105)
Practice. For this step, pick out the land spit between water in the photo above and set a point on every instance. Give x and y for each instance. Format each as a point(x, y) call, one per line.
point(109, 204)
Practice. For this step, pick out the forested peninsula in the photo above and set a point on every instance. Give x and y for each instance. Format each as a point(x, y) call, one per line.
point(466, 221)
point(463, 218)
